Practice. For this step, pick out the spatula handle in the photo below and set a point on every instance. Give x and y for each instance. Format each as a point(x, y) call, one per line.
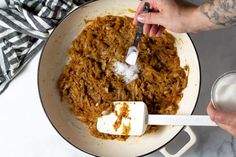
point(189, 120)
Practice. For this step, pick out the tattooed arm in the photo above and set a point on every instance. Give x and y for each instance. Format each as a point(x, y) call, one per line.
point(181, 16)
point(220, 12)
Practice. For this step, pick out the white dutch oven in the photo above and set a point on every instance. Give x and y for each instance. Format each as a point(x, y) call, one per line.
point(53, 59)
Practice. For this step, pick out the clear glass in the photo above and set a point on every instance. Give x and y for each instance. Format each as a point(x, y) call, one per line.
point(217, 87)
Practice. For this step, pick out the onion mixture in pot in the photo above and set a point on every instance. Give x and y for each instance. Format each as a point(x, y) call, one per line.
point(90, 85)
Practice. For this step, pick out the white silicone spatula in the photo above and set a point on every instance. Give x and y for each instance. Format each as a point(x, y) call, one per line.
point(132, 118)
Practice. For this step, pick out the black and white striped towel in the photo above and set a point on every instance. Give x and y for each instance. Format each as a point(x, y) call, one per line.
point(24, 27)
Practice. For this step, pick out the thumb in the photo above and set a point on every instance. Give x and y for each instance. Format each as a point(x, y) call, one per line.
point(150, 18)
point(226, 118)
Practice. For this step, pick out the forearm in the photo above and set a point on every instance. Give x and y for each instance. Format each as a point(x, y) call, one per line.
point(213, 14)
point(220, 12)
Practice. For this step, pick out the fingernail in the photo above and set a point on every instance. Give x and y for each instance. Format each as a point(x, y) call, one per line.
point(151, 34)
point(140, 18)
point(145, 33)
point(158, 34)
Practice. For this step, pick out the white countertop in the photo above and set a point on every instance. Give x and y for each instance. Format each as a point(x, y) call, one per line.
point(26, 132)
point(24, 128)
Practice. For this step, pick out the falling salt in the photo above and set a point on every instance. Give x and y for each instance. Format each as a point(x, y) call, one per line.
point(129, 73)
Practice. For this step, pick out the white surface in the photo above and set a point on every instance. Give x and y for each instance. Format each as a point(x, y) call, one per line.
point(25, 130)
point(2, 4)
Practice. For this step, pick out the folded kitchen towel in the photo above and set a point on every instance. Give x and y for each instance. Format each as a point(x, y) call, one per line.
point(24, 27)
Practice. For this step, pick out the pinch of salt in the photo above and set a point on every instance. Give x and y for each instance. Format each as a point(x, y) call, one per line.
point(129, 73)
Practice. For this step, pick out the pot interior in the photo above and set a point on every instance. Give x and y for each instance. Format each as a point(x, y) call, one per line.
point(51, 65)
